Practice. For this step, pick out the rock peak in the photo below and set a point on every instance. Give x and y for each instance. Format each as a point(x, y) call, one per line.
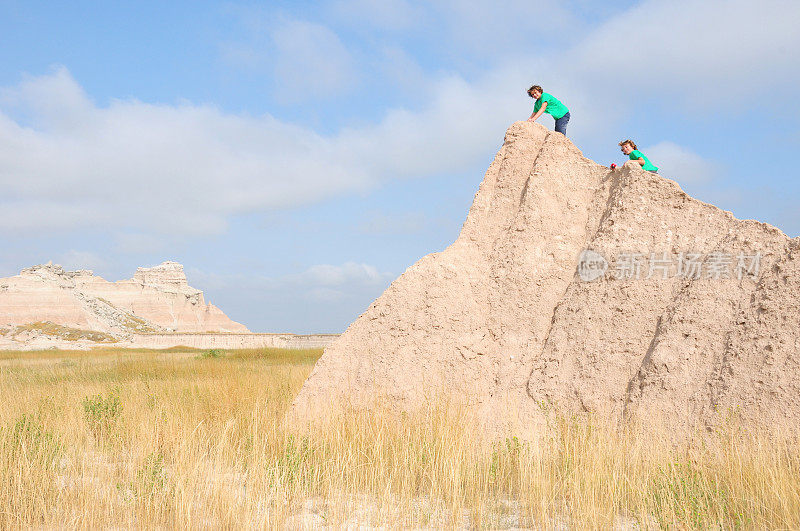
point(167, 273)
point(503, 320)
point(50, 271)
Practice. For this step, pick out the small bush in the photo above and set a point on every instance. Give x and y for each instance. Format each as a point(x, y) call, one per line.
point(150, 480)
point(27, 437)
point(683, 494)
point(291, 467)
point(102, 413)
point(151, 477)
point(212, 354)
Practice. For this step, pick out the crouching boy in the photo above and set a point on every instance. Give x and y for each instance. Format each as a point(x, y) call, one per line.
point(629, 148)
point(549, 104)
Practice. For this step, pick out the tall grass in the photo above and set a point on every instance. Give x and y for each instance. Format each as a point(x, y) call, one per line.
point(149, 439)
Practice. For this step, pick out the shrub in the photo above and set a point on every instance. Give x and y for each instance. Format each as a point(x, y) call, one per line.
point(27, 437)
point(102, 413)
point(151, 477)
point(212, 354)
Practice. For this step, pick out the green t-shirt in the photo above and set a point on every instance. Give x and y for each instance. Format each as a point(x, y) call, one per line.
point(554, 107)
point(635, 154)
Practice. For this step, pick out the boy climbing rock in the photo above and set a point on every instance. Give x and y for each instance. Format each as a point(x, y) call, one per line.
point(547, 103)
point(629, 148)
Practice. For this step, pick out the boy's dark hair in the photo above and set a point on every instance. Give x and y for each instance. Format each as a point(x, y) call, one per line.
point(535, 87)
point(628, 141)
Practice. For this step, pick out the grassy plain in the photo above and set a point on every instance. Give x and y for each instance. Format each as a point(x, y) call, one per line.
point(198, 439)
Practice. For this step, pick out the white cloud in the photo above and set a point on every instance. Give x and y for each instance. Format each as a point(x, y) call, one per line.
point(240, 55)
point(140, 168)
point(462, 124)
point(74, 259)
point(385, 223)
point(295, 302)
point(52, 101)
point(172, 169)
point(343, 277)
point(401, 70)
point(46, 215)
point(310, 61)
point(681, 164)
point(698, 52)
point(185, 169)
point(386, 14)
point(296, 60)
point(336, 276)
point(490, 28)
point(479, 27)
point(324, 295)
point(140, 243)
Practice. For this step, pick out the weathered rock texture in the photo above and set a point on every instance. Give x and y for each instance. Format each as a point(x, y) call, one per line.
point(156, 299)
point(502, 319)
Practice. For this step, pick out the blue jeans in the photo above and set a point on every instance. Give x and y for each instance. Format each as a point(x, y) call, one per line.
point(561, 124)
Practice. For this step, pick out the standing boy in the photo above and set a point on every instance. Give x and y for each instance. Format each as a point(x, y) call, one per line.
point(629, 148)
point(549, 104)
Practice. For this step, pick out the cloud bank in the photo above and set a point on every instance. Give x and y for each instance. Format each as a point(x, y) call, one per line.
point(68, 163)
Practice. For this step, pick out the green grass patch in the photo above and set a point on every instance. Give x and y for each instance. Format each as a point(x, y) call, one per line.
point(103, 414)
point(28, 437)
point(213, 353)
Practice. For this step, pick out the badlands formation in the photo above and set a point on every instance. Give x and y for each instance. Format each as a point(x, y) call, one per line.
point(579, 288)
point(47, 306)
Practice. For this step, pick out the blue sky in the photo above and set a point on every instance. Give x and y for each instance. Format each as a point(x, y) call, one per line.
point(298, 156)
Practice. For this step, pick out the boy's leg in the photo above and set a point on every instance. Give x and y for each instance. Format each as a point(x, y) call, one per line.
point(561, 124)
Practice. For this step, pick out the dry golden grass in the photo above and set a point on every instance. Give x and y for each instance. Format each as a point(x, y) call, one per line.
point(190, 439)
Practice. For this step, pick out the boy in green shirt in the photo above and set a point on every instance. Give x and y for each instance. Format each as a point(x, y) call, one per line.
point(547, 103)
point(629, 148)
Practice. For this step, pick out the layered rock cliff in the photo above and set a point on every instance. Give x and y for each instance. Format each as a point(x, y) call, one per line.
point(156, 299)
point(576, 287)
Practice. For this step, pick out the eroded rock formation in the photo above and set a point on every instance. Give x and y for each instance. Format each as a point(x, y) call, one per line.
point(156, 299)
point(505, 319)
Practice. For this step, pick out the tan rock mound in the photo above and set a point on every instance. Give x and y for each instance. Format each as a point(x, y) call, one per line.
point(693, 315)
point(46, 298)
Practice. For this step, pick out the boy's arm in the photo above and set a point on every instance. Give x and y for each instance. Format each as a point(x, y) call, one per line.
point(641, 161)
point(535, 116)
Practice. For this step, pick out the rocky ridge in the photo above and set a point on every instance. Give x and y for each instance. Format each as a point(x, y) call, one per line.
point(683, 315)
point(157, 299)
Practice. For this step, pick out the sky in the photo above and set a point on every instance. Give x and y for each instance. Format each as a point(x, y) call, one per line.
point(296, 157)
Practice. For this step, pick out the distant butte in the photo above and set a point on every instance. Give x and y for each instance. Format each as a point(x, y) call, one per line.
point(48, 299)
